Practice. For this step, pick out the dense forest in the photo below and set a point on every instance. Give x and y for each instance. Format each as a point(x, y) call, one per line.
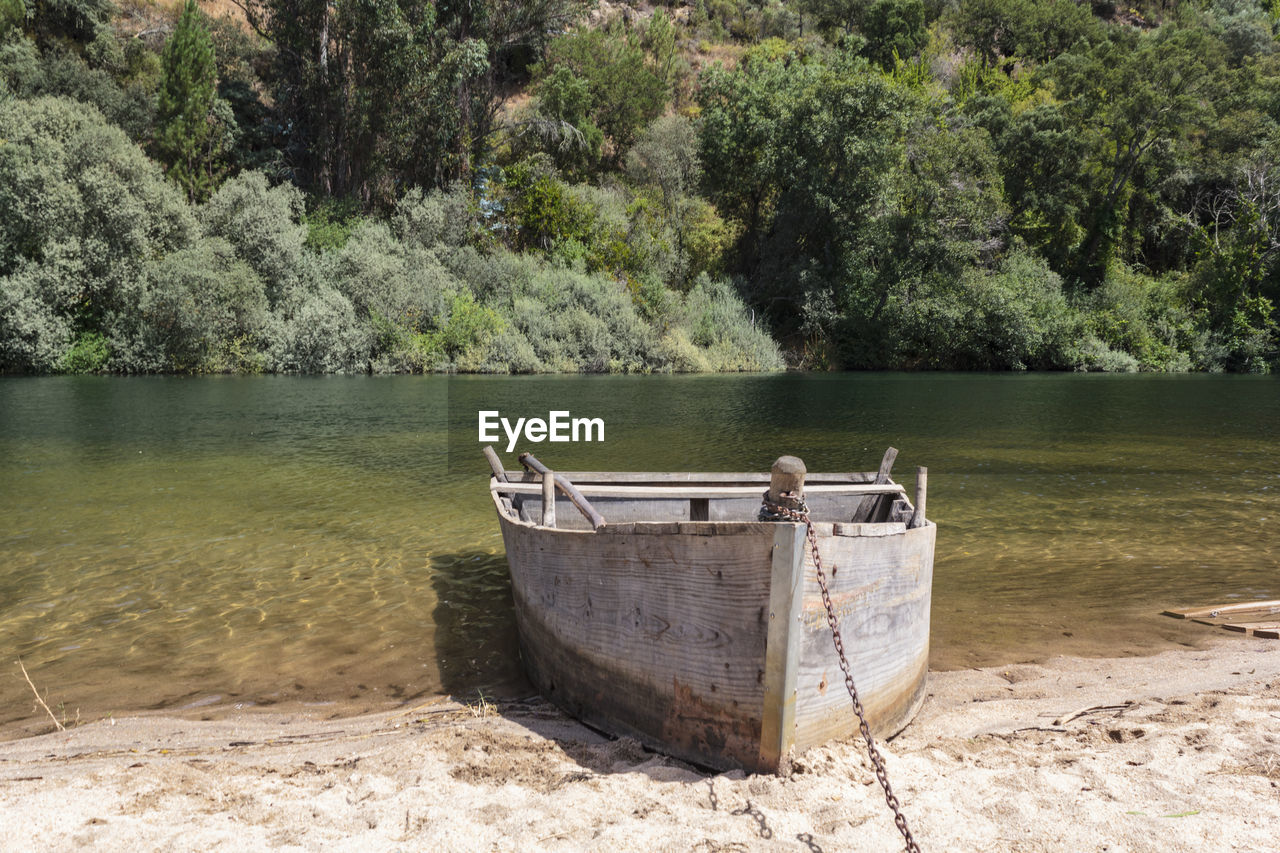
point(557, 185)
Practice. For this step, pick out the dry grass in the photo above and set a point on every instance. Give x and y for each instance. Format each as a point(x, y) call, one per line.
point(1267, 766)
point(40, 699)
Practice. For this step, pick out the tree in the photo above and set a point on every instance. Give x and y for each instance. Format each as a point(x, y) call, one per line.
point(81, 210)
point(625, 92)
point(1133, 94)
point(185, 137)
point(386, 94)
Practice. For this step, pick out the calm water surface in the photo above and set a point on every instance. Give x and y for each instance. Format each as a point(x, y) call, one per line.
point(203, 544)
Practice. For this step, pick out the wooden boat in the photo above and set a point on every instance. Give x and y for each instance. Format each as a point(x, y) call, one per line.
point(699, 630)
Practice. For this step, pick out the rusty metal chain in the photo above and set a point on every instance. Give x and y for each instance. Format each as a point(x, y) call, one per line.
point(770, 511)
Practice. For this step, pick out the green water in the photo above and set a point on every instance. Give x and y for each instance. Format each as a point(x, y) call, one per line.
point(203, 544)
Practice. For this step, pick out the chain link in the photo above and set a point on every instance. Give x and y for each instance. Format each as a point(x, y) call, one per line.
point(770, 511)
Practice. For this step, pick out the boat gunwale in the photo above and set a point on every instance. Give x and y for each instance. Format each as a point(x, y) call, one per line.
point(822, 529)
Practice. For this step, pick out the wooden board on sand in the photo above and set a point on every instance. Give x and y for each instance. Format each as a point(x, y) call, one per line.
point(1256, 618)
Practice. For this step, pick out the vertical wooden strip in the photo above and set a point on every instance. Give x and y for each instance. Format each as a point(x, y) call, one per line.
point(922, 482)
point(782, 649)
point(549, 499)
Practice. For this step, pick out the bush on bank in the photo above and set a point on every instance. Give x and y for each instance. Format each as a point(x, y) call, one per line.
point(106, 267)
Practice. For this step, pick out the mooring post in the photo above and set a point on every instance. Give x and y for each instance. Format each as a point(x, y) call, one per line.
point(786, 482)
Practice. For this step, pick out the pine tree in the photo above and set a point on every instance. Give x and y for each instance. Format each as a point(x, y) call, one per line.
point(185, 138)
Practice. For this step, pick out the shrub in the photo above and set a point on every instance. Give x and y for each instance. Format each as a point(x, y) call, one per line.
point(204, 309)
point(434, 218)
point(264, 223)
point(316, 331)
point(81, 209)
point(1013, 318)
point(34, 335)
point(1144, 317)
point(714, 319)
point(89, 354)
point(401, 282)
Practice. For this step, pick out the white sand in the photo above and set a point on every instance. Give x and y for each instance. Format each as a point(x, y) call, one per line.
point(1191, 762)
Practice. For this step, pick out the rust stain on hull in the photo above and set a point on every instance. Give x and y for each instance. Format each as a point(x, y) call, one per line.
point(709, 728)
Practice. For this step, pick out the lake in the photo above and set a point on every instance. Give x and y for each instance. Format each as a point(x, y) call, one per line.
point(205, 544)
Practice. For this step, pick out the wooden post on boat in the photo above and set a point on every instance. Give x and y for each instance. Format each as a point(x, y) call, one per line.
point(570, 490)
point(786, 482)
point(922, 481)
point(549, 498)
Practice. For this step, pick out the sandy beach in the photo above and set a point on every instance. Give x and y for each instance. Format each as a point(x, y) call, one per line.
point(1178, 751)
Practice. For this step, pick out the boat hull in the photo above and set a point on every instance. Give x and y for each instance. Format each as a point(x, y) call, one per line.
point(708, 640)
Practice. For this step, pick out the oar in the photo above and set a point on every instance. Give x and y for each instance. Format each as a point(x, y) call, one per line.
point(570, 490)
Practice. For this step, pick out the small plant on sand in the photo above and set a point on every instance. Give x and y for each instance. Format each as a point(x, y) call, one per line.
point(482, 707)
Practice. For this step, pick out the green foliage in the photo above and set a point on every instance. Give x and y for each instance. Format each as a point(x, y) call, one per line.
point(316, 331)
point(12, 15)
point(713, 331)
point(1037, 30)
point(1013, 318)
point(1141, 317)
point(203, 308)
point(81, 208)
point(566, 130)
point(983, 184)
point(387, 94)
point(894, 29)
point(624, 91)
point(185, 138)
point(264, 225)
point(88, 354)
point(330, 222)
point(57, 71)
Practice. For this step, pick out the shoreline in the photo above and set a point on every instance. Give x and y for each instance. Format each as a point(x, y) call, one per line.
point(1175, 751)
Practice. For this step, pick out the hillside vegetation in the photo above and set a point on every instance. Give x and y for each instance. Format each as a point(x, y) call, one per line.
point(330, 186)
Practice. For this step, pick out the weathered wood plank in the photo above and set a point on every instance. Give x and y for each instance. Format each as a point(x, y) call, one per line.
point(663, 636)
point(782, 649)
point(866, 509)
point(689, 492)
point(549, 499)
point(922, 487)
point(1251, 627)
point(887, 528)
point(707, 478)
point(881, 593)
point(1261, 607)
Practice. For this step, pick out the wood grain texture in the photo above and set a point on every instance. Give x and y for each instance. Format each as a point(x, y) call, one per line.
point(707, 478)
point(660, 637)
point(881, 590)
point(782, 651)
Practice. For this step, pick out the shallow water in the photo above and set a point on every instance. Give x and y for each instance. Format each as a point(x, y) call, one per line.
point(208, 543)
